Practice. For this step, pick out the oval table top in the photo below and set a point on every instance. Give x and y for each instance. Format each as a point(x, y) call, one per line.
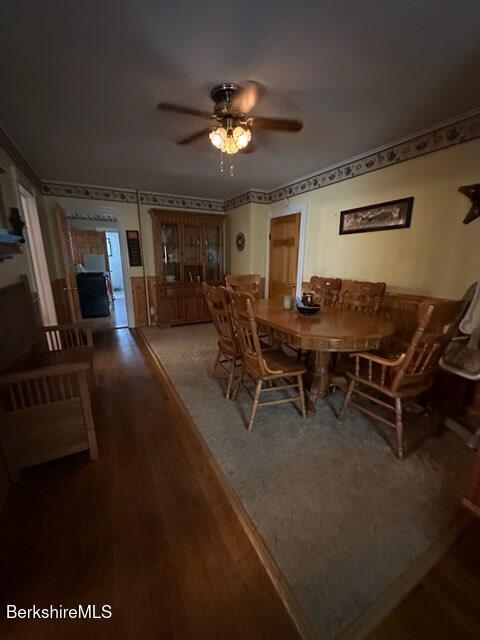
point(330, 329)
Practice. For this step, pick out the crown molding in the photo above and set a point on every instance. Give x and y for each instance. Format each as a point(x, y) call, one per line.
point(456, 131)
point(11, 150)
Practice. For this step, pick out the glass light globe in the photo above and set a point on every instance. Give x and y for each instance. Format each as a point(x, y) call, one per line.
point(242, 137)
point(217, 137)
point(230, 146)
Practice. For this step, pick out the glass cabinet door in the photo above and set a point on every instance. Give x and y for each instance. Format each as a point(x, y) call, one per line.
point(192, 253)
point(171, 251)
point(212, 251)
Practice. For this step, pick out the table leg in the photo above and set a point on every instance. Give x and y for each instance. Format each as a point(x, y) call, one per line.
point(321, 379)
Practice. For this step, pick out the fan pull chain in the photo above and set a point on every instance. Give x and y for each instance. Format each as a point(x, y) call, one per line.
point(221, 162)
point(231, 170)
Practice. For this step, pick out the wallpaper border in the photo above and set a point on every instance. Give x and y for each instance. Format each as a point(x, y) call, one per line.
point(464, 129)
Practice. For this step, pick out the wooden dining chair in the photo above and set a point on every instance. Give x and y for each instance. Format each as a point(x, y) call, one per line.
point(249, 283)
point(228, 356)
point(408, 374)
point(326, 290)
point(272, 368)
point(365, 297)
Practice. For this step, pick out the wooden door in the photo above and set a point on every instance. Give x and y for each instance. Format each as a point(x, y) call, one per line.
point(284, 242)
point(70, 292)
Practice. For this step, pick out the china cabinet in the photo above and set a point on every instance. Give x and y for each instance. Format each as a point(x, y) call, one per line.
point(188, 250)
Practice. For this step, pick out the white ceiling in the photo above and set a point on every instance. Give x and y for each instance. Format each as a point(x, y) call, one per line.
point(80, 83)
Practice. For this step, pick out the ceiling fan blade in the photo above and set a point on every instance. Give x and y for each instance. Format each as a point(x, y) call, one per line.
point(194, 136)
point(188, 111)
point(246, 99)
point(278, 124)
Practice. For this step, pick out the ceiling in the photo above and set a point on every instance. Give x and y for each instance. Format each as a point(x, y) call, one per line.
point(80, 83)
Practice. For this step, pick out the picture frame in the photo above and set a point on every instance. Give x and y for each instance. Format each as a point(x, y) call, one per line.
point(384, 216)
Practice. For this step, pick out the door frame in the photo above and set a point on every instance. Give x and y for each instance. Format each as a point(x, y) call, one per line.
point(300, 208)
point(36, 256)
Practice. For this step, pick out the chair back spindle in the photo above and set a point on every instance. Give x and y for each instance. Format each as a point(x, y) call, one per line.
point(437, 323)
point(326, 290)
point(217, 302)
point(249, 283)
point(365, 297)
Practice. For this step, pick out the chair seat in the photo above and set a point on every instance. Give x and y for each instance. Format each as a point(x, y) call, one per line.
point(278, 361)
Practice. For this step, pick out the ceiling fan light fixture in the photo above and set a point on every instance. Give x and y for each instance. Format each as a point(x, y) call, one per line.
point(229, 146)
point(218, 137)
point(241, 136)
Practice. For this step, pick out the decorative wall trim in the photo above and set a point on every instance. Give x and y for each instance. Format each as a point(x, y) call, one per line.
point(96, 217)
point(180, 202)
point(435, 140)
point(462, 130)
point(88, 192)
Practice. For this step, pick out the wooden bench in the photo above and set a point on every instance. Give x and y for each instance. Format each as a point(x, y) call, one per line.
point(45, 410)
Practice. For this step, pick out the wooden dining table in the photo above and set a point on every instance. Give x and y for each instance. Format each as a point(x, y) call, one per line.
point(329, 331)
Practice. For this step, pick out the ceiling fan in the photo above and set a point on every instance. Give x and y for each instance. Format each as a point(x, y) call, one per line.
point(231, 123)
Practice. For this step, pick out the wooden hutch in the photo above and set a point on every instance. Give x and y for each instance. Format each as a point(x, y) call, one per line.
point(188, 250)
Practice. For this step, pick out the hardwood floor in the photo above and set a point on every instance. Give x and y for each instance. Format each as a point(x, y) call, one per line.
point(147, 529)
point(446, 604)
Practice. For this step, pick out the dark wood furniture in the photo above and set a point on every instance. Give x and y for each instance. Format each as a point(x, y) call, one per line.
point(356, 295)
point(331, 330)
point(408, 374)
point(188, 250)
point(326, 290)
point(228, 355)
point(274, 368)
point(44, 397)
point(250, 283)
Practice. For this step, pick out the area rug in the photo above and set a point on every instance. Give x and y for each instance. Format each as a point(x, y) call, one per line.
point(341, 516)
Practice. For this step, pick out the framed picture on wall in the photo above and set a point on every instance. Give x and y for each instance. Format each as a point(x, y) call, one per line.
point(385, 216)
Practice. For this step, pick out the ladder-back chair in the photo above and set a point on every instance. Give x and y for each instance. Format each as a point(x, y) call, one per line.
point(365, 297)
point(249, 283)
point(326, 290)
point(228, 355)
point(409, 374)
point(270, 367)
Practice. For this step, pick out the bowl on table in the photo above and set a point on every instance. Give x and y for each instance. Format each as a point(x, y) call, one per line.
point(309, 310)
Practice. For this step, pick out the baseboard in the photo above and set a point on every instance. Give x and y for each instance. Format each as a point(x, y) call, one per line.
point(282, 587)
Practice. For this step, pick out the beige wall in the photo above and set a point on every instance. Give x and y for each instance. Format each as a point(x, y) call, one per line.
point(251, 219)
point(438, 255)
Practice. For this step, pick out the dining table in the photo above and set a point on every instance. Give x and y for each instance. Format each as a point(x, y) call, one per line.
point(329, 331)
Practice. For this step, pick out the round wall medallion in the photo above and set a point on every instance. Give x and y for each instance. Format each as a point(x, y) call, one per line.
point(240, 241)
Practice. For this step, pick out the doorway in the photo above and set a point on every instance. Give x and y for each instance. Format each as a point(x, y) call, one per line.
point(285, 252)
point(100, 277)
point(119, 305)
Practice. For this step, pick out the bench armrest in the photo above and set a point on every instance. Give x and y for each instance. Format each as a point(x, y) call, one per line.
point(44, 372)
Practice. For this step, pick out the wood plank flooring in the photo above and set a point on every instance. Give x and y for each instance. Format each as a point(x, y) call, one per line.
point(446, 604)
point(147, 529)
